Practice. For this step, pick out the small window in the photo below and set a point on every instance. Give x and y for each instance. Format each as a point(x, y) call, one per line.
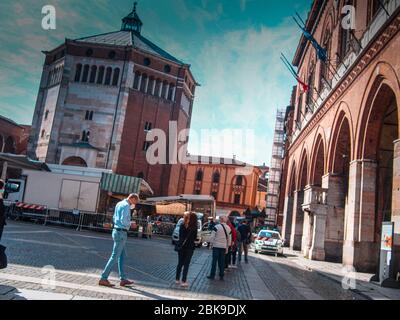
point(108, 76)
point(216, 177)
point(116, 77)
point(46, 115)
point(100, 77)
point(167, 68)
point(237, 199)
point(85, 73)
point(112, 54)
point(199, 175)
point(85, 136)
point(143, 84)
point(78, 72)
point(146, 145)
point(147, 62)
point(239, 180)
point(91, 115)
point(148, 126)
point(136, 81)
point(93, 73)
point(89, 52)
point(43, 134)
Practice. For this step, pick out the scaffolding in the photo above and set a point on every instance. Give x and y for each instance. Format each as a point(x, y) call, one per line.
point(275, 172)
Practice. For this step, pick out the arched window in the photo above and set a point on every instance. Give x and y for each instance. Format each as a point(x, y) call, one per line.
point(42, 134)
point(46, 115)
point(78, 72)
point(108, 76)
point(100, 77)
point(310, 82)
point(199, 175)
point(345, 36)
point(216, 177)
point(164, 89)
point(237, 198)
point(144, 82)
point(158, 87)
point(171, 92)
point(116, 77)
point(75, 162)
point(324, 71)
point(9, 146)
point(374, 7)
point(85, 73)
point(239, 180)
point(93, 73)
point(150, 86)
point(91, 115)
point(136, 80)
point(85, 136)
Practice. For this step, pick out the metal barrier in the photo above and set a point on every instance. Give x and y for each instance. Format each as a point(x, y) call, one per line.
point(97, 222)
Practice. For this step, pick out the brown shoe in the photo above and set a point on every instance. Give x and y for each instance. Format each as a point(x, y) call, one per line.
point(106, 283)
point(125, 283)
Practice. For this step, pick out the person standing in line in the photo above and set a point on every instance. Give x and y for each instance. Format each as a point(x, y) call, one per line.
point(231, 258)
point(228, 258)
point(245, 240)
point(149, 227)
point(122, 224)
point(185, 247)
point(220, 241)
point(2, 208)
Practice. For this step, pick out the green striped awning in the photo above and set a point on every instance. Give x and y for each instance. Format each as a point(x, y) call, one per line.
point(120, 184)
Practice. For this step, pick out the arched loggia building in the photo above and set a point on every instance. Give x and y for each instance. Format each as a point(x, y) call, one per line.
point(351, 177)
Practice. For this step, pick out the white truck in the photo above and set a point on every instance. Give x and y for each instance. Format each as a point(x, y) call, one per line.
point(65, 188)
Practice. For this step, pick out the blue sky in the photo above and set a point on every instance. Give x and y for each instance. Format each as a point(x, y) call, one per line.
point(232, 45)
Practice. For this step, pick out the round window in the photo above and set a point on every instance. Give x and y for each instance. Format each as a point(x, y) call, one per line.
point(167, 68)
point(112, 54)
point(89, 52)
point(146, 62)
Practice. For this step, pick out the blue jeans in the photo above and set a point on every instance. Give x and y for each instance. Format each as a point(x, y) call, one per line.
point(118, 255)
point(218, 256)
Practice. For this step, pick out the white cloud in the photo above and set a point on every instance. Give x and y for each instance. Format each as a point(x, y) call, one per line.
point(244, 83)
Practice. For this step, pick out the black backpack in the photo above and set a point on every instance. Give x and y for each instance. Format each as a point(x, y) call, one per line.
point(3, 257)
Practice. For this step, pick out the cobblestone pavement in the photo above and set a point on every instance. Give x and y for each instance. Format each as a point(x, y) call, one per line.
point(78, 259)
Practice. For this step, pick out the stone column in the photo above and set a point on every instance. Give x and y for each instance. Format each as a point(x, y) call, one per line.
point(287, 219)
point(336, 199)
point(396, 209)
point(297, 221)
point(154, 87)
point(359, 249)
point(317, 249)
point(160, 89)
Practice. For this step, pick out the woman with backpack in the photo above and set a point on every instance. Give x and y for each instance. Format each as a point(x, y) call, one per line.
point(185, 247)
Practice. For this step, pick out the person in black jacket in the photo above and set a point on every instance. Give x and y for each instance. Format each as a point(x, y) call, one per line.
point(2, 208)
point(186, 246)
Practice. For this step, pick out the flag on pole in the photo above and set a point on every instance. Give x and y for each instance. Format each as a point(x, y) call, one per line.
point(286, 62)
point(321, 52)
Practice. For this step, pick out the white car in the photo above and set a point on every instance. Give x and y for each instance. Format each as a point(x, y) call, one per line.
point(269, 242)
point(175, 234)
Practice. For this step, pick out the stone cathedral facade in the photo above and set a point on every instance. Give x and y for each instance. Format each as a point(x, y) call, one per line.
point(100, 95)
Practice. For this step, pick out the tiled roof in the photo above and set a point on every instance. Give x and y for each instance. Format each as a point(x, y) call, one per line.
point(129, 38)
